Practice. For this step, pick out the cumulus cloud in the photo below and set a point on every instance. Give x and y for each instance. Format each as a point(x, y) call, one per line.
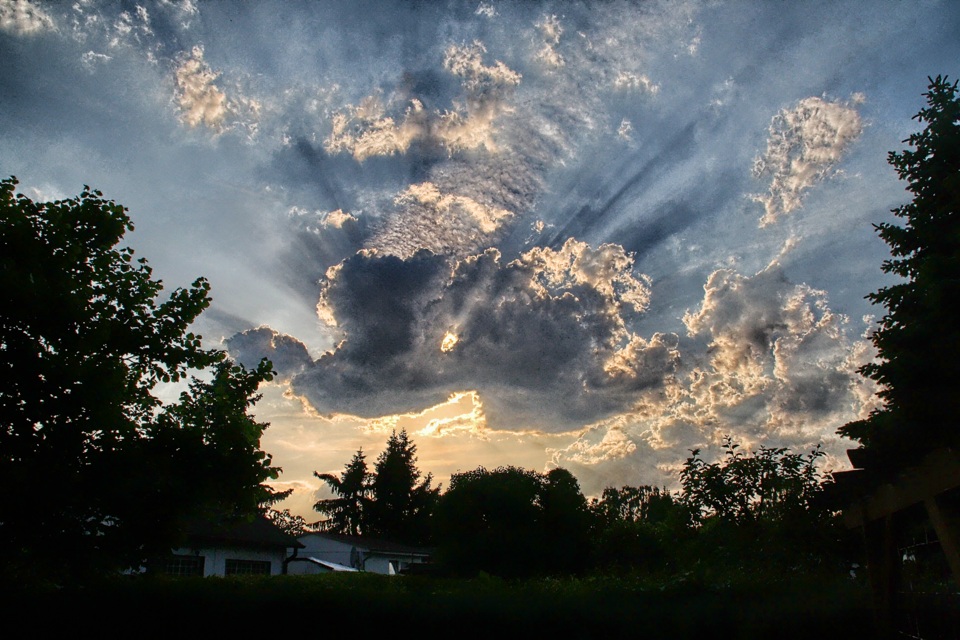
point(337, 219)
point(769, 364)
point(365, 130)
point(202, 102)
point(23, 18)
point(500, 137)
point(596, 446)
point(542, 341)
point(804, 144)
point(199, 99)
point(776, 352)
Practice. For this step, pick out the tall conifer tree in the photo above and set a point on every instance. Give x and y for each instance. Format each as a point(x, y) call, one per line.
point(918, 340)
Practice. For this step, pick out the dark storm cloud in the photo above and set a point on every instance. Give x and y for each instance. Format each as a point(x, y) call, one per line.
point(542, 339)
point(288, 355)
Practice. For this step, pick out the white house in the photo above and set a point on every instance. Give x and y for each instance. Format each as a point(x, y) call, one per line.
point(322, 552)
point(255, 547)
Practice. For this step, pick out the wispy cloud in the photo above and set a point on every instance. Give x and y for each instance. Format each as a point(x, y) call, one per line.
point(805, 143)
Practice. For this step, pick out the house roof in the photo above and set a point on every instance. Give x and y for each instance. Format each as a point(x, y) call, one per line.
point(259, 532)
point(373, 545)
point(332, 566)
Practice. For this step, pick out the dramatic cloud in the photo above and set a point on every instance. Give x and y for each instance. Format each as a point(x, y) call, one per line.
point(775, 350)
point(365, 131)
point(805, 142)
point(21, 17)
point(543, 340)
point(467, 223)
point(337, 219)
point(779, 370)
point(602, 447)
point(202, 102)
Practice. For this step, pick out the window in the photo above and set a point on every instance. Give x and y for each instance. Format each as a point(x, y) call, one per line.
point(182, 565)
point(247, 567)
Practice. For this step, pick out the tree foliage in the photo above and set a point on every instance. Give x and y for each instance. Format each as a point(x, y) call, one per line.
point(513, 522)
point(632, 504)
point(917, 341)
point(97, 473)
point(769, 485)
point(290, 523)
point(766, 505)
point(637, 529)
point(393, 501)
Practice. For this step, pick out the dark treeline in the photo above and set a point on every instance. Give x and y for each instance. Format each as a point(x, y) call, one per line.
point(516, 523)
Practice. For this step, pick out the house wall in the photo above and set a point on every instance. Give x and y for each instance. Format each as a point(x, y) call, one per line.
point(215, 558)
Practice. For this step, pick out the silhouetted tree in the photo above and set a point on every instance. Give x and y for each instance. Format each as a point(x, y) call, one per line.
point(565, 523)
point(97, 474)
point(918, 340)
point(771, 484)
point(402, 502)
point(487, 520)
point(512, 522)
point(290, 523)
point(762, 505)
point(347, 512)
point(637, 529)
point(632, 504)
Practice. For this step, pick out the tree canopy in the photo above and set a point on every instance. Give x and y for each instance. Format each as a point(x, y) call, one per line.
point(918, 339)
point(770, 485)
point(393, 501)
point(513, 522)
point(98, 473)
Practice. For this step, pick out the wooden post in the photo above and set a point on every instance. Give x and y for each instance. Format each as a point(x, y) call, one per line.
point(945, 523)
point(883, 567)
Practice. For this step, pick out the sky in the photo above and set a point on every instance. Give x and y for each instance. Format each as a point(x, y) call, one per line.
point(589, 235)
